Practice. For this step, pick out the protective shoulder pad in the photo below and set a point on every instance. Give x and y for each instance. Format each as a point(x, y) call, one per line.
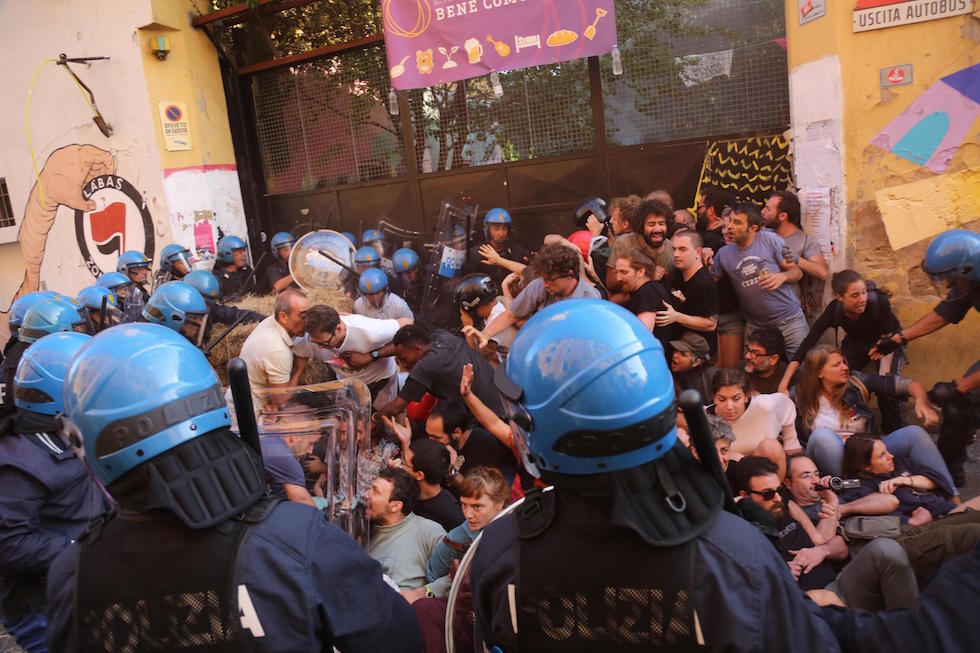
point(537, 512)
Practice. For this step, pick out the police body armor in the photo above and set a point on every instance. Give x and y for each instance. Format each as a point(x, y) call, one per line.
point(156, 585)
point(627, 605)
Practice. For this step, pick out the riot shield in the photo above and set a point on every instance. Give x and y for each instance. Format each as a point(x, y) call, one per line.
point(459, 612)
point(444, 261)
point(321, 259)
point(323, 429)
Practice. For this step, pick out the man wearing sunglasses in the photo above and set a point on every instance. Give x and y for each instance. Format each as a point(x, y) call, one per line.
point(631, 549)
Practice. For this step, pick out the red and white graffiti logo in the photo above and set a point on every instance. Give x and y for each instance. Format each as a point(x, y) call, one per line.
point(119, 222)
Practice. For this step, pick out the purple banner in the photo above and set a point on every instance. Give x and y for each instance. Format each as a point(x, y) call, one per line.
point(431, 42)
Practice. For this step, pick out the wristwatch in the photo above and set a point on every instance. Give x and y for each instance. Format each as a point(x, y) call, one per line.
point(375, 355)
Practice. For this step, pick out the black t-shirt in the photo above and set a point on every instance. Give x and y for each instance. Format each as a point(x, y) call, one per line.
point(792, 537)
point(484, 450)
point(275, 271)
point(650, 297)
point(439, 370)
point(700, 300)
point(713, 239)
point(954, 310)
point(443, 509)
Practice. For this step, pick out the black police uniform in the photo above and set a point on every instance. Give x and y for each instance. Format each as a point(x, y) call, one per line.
point(512, 252)
point(277, 578)
point(570, 578)
point(223, 314)
point(8, 369)
point(231, 283)
point(275, 271)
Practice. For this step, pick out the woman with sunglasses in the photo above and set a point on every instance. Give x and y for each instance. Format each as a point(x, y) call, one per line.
point(832, 403)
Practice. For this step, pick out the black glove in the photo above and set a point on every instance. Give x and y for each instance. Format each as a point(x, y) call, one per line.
point(886, 345)
point(945, 393)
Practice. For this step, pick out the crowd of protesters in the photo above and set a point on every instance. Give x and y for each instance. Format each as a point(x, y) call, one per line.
point(811, 435)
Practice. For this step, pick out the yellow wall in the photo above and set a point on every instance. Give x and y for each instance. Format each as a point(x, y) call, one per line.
point(882, 187)
point(190, 74)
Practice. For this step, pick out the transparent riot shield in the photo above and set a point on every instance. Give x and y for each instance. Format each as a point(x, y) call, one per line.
point(323, 430)
point(460, 617)
point(321, 259)
point(444, 259)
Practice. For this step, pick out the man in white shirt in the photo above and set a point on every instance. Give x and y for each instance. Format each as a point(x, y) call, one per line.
point(354, 345)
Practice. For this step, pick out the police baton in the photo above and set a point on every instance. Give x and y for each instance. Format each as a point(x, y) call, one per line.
point(241, 395)
point(248, 279)
point(105, 303)
point(208, 348)
point(704, 444)
point(326, 254)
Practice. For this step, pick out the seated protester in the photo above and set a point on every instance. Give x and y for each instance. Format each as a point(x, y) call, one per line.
point(878, 578)
point(376, 299)
point(450, 424)
point(865, 315)
point(435, 362)
point(694, 289)
point(922, 492)
point(646, 296)
point(764, 425)
point(400, 540)
point(560, 268)
point(277, 275)
point(476, 298)
point(484, 493)
point(498, 256)
point(48, 497)
point(427, 462)
point(721, 433)
point(833, 405)
point(136, 267)
point(231, 267)
point(765, 360)
point(689, 365)
point(355, 346)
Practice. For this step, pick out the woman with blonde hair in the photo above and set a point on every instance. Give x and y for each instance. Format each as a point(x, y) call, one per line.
point(832, 406)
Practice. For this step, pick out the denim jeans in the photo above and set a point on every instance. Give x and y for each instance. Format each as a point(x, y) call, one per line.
point(29, 632)
point(826, 449)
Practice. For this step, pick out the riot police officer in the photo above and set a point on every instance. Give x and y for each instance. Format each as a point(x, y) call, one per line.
point(497, 227)
point(953, 258)
point(128, 295)
point(377, 300)
point(277, 274)
point(476, 298)
point(631, 550)
point(16, 317)
point(136, 266)
point(408, 276)
point(47, 316)
point(365, 258)
point(99, 307)
point(48, 497)
point(207, 286)
point(179, 307)
point(175, 263)
point(231, 267)
point(197, 555)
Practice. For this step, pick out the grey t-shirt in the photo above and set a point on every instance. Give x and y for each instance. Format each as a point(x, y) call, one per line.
point(534, 297)
point(809, 290)
point(743, 265)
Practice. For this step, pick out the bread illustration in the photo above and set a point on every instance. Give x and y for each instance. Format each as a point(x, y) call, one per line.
point(561, 37)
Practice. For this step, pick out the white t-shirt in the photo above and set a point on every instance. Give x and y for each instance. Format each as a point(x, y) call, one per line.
point(393, 308)
point(268, 354)
point(828, 417)
point(364, 334)
point(767, 416)
point(505, 337)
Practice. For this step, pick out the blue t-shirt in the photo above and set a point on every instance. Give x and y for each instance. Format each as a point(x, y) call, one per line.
point(280, 464)
point(767, 308)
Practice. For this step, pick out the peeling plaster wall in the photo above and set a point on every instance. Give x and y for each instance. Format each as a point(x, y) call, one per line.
point(914, 199)
point(128, 88)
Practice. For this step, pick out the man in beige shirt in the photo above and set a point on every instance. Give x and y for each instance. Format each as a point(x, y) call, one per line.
point(651, 222)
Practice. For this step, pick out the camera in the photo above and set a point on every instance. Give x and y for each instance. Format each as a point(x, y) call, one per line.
point(837, 484)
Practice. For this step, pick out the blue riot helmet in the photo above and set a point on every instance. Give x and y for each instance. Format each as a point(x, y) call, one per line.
point(281, 239)
point(92, 300)
point(404, 260)
point(132, 260)
point(178, 306)
point(954, 255)
point(114, 281)
point(175, 260)
point(366, 257)
point(23, 304)
point(140, 398)
point(41, 372)
point(588, 389)
point(372, 282)
point(351, 237)
point(370, 236)
point(496, 216)
point(49, 316)
point(227, 247)
point(206, 284)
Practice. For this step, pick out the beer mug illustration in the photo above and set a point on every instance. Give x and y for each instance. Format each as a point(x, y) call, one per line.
point(474, 50)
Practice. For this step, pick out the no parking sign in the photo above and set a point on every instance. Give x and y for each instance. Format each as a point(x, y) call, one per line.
point(176, 126)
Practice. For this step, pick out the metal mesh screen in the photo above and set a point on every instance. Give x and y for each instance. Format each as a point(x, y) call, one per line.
point(715, 70)
point(543, 111)
point(6, 212)
point(326, 123)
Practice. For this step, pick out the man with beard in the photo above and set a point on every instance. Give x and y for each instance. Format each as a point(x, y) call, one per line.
point(781, 214)
point(765, 353)
point(647, 296)
point(690, 367)
point(711, 206)
point(651, 223)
